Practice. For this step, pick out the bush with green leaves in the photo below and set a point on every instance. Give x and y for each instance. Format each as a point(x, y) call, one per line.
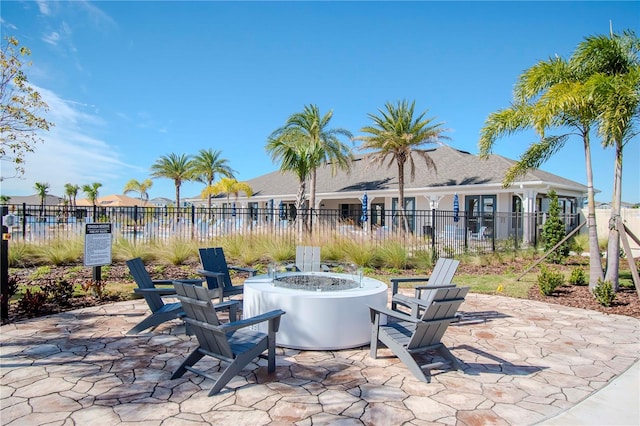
point(553, 231)
point(578, 277)
point(604, 293)
point(549, 280)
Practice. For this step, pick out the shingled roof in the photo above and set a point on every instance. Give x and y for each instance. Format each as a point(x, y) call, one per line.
point(454, 169)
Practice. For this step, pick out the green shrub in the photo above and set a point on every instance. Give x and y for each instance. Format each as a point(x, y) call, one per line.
point(578, 277)
point(549, 280)
point(604, 293)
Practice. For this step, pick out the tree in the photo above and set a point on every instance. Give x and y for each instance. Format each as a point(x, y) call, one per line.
point(42, 188)
point(553, 231)
point(291, 151)
point(229, 187)
point(556, 94)
point(396, 135)
point(207, 164)
point(140, 187)
point(549, 95)
point(4, 199)
point(615, 87)
point(71, 191)
point(175, 167)
point(20, 105)
point(324, 148)
point(92, 191)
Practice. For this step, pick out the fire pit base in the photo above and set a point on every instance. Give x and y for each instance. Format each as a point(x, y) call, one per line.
point(317, 320)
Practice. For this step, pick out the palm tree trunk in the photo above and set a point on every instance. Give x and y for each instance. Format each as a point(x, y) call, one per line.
point(312, 199)
point(595, 261)
point(613, 247)
point(401, 216)
point(177, 200)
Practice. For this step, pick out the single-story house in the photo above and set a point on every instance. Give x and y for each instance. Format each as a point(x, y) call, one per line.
point(476, 182)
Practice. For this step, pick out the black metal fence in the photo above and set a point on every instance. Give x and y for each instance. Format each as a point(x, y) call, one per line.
point(444, 232)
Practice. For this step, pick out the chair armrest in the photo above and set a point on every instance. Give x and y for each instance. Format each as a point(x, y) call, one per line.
point(267, 316)
point(251, 271)
point(231, 305)
point(396, 281)
point(161, 291)
point(388, 312)
point(212, 274)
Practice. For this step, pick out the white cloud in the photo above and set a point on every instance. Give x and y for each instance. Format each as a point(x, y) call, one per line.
point(52, 38)
point(70, 152)
point(43, 6)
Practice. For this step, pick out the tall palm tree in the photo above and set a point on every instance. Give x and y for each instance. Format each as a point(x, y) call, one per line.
point(71, 191)
point(292, 152)
point(553, 94)
point(228, 186)
point(396, 135)
point(92, 191)
point(615, 86)
point(324, 145)
point(140, 187)
point(207, 164)
point(175, 167)
point(42, 188)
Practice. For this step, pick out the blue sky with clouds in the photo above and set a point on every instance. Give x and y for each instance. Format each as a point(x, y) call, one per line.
point(128, 82)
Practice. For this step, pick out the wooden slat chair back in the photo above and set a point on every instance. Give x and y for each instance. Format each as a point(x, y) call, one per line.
point(234, 343)
point(407, 336)
point(308, 258)
point(216, 271)
point(152, 291)
point(442, 275)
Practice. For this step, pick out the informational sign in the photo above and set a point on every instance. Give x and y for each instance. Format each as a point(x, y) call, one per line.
point(97, 244)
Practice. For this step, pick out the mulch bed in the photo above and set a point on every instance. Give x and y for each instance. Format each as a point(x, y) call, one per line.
point(626, 302)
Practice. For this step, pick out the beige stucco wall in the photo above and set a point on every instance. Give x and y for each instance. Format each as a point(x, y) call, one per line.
point(630, 217)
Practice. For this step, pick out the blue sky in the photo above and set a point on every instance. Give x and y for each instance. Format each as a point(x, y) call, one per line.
point(128, 82)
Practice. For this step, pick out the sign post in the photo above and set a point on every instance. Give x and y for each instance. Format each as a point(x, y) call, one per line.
point(97, 247)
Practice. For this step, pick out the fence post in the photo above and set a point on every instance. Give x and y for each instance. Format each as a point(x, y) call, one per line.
point(433, 234)
point(4, 265)
point(24, 221)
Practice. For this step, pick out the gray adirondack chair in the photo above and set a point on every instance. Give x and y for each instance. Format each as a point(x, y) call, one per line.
point(216, 272)
point(442, 275)
point(153, 291)
point(408, 337)
point(234, 343)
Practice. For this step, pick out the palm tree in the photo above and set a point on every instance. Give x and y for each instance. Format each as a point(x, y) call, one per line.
point(92, 191)
point(175, 167)
point(396, 135)
point(140, 187)
point(614, 85)
point(292, 151)
point(71, 191)
point(554, 94)
point(324, 145)
point(4, 199)
point(228, 186)
point(206, 165)
point(42, 188)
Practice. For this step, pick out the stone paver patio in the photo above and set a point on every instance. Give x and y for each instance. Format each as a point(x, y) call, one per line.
point(527, 362)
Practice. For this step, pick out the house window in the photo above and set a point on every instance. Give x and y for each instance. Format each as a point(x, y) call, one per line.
point(409, 211)
point(479, 211)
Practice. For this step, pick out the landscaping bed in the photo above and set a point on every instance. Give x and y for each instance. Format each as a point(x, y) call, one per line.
point(119, 285)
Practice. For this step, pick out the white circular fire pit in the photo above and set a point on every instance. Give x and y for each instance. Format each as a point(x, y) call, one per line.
point(320, 317)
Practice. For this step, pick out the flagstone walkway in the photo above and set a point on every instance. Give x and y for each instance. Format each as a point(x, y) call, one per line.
point(523, 363)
